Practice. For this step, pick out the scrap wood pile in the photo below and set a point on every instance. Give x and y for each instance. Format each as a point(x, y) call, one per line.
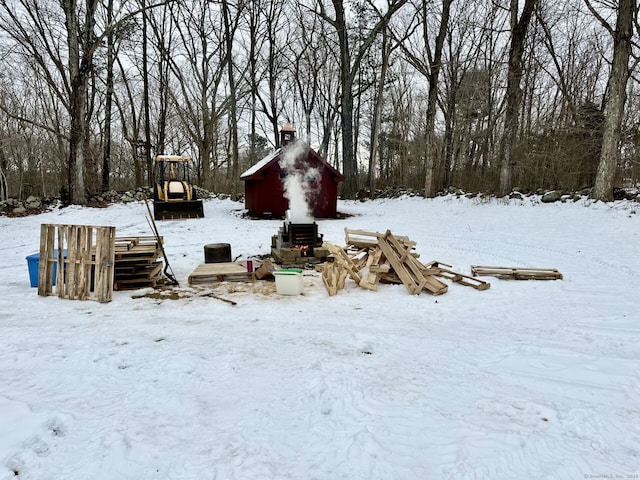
point(137, 262)
point(371, 257)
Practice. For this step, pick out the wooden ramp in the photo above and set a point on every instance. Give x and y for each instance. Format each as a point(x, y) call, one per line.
point(220, 272)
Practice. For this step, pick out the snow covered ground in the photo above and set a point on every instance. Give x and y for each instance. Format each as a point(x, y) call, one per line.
point(529, 379)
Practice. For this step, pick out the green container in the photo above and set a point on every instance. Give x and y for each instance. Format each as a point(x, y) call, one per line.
point(288, 271)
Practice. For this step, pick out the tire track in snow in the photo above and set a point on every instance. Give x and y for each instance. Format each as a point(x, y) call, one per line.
point(539, 384)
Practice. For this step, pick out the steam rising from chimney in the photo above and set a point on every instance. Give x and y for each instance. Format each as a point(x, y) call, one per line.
point(299, 181)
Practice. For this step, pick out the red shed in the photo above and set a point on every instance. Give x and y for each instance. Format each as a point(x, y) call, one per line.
point(293, 173)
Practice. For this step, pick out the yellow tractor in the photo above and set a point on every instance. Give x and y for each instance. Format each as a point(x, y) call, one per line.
point(174, 196)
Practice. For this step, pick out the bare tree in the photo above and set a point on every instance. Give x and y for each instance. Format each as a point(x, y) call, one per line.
point(108, 107)
point(231, 20)
point(564, 139)
point(314, 68)
point(327, 111)
point(377, 110)
point(275, 89)
point(616, 97)
point(513, 94)
point(255, 39)
point(128, 108)
point(350, 62)
point(311, 54)
point(198, 66)
point(469, 97)
point(66, 63)
point(429, 63)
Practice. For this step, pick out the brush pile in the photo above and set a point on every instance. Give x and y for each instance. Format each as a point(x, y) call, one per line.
point(371, 257)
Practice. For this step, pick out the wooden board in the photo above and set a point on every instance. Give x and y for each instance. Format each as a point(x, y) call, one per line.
point(220, 272)
point(437, 269)
point(411, 283)
point(333, 277)
point(369, 277)
point(517, 273)
point(342, 258)
point(365, 239)
point(138, 253)
point(127, 243)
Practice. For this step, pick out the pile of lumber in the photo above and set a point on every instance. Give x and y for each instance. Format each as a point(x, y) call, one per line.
point(371, 257)
point(138, 262)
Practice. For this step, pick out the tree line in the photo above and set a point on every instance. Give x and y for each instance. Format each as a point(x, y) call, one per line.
point(486, 95)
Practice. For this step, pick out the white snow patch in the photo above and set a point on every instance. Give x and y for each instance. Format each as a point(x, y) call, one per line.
point(528, 379)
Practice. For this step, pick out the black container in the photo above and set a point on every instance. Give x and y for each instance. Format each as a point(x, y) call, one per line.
point(217, 253)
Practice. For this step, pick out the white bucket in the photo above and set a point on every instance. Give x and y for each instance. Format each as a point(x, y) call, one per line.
point(288, 281)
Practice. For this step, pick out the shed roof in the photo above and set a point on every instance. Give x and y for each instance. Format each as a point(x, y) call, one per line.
point(257, 168)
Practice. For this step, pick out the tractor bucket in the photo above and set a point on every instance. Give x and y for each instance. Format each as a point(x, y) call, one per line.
point(177, 210)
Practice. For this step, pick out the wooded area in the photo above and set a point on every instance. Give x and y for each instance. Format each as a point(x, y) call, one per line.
point(486, 95)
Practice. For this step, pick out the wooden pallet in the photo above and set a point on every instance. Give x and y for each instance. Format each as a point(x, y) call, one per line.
point(128, 243)
point(517, 273)
point(96, 262)
point(86, 271)
point(398, 261)
point(137, 249)
point(134, 276)
point(220, 272)
point(138, 263)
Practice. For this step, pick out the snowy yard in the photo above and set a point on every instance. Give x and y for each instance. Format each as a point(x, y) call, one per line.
point(529, 379)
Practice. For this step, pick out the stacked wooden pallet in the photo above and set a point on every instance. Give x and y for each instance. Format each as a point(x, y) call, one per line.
point(138, 262)
point(371, 257)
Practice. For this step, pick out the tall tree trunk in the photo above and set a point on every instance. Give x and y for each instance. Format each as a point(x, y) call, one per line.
point(106, 158)
point(4, 188)
point(145, 83)
point(77, 188)
point(349, 68)
point(163, 35)
point(519, 28)
point(130, 122)
point(349, 165)
point(434, 75)
point(233, 102)
point(81, 49)
point(375, 128)
point(615, 101)
point(253, 83)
